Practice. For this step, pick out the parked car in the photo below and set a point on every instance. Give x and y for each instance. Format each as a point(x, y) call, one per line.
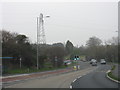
point(102, 61)
point(67, 62)
point(84, 60)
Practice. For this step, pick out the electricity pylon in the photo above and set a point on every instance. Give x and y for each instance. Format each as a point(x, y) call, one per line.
point(40, 35)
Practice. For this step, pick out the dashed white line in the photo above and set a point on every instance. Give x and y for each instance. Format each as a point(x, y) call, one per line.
point(74, 80)
point(84, 74)
point(79, 76)
point(70, 87)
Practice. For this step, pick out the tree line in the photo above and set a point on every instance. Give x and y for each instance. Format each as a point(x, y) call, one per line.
point(18, 46)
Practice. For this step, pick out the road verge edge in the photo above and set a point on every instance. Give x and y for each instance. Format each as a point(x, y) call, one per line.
point(110, 77)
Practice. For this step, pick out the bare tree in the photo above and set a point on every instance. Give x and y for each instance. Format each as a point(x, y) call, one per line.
point(93, 41)
point(112, 41)
point(93, 47)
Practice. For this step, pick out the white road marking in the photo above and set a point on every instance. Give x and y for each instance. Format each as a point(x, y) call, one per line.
point(84, 74)
point(79, 76)
point(110, 77)
point(74, 80)
point(70, 87)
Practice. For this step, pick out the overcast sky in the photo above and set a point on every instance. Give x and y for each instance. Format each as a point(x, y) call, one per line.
point(74, 21)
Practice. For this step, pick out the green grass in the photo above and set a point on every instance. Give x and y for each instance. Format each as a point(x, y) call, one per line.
point(31, 70)
point(113, 67)
point(116, 62)
point(113, 77)
point(47, 67)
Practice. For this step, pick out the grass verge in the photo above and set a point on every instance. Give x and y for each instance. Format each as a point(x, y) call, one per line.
point(113, 77)
point(113, 67)
point(30, 70)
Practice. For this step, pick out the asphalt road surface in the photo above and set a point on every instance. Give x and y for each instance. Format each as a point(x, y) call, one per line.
point(95, 79)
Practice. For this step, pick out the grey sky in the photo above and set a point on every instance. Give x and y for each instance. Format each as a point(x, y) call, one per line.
point(69, 21)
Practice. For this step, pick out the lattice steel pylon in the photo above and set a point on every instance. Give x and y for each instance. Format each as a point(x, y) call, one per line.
point(40, 30)
point(40, 35)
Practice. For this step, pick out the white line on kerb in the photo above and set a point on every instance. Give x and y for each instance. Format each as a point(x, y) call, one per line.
point(74, 80)
point(70, 87)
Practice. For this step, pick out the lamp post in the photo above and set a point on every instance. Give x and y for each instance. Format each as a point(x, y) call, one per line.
point(20, 62)
point(40, 23)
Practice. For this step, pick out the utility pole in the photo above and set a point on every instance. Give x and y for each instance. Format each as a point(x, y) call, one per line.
point(40, 34)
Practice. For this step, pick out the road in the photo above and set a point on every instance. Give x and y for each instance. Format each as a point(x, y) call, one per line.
point(91, 75)
point(95, 79)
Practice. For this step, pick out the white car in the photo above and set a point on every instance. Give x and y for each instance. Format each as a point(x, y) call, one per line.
point(94, 63)
point(67, 62)
point(93, 60)
point(102, 61)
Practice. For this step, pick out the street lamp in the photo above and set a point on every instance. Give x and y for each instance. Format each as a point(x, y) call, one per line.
point(40, 22)
point(20, 62)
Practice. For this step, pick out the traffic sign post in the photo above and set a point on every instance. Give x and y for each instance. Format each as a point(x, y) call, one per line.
point(74, 67)
point(78, 67)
